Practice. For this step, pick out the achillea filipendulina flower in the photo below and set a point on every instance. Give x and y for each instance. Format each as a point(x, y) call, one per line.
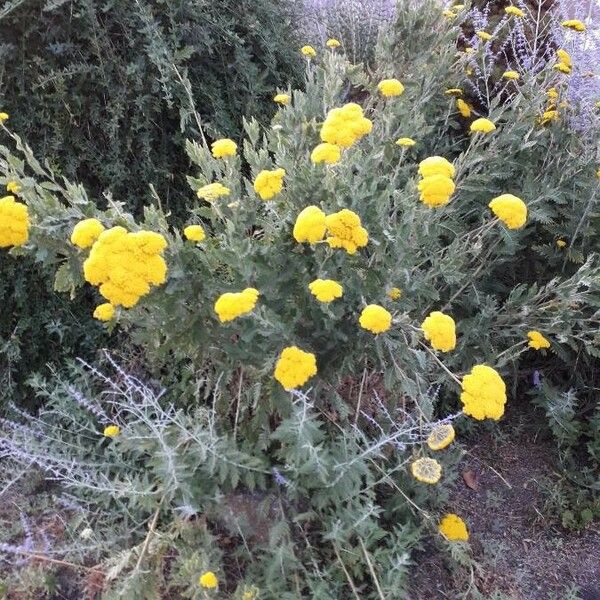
point(463, 108)
point(483, 393)
point(104, 312)
point(14, 222)
point(310, 225)
point(395, 293)
point(513, 75)
point(4, 117)
point(345, 126)
point(208, 580)
point(482, 125)
point(440, 330)
point(405, 142)
point(295, 367)
point(426, 470)
point(564, 57)
point(552, 93)
point(511, 210)
point(269, 183)
point(194, 233)
point(514, 11)
point(326, 290)
point(282, 99)
point(212, 191)
point(453, 528)
point(375, 318)
point(484, 35)
point(390, 88)
point(13, 187)
point(448, 14)
point(436, 165)
point(563, 68)
point(231, 305)
point(561, 244)
point(345, 231)
point(223, 148)
point(549, 116)
point(111, 431)
point(441, 436)
point(537, 341)
point(308, 51)
point(333, 43)
point(574, 25)
point(453, 92)
point(86, 232)
point(327, 153)
point(436, 190)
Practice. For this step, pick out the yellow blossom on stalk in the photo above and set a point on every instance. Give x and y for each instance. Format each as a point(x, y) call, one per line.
point(375, 318)
point(327, 153)
point(564, 57)
point(269, 183)
point(14, 222)
point(231, 305)
point(390, 88)
point(453, 528)
point(326, 290)
point(308, 51)
point(223, 148)
point(563, 68)
point(441, 436)
point(469, 71)
point(453, 92)
point(406, 142)
point(483, 393)
point(212, 191)
point(511, 210)
point(537, 341)
point(436, 165)
point(513, 75)
point(482, 125)
point(552, 93)
point(86, 232)
point(111, 431)
point(3, 117)
point(448, 14)
point(310, 225)
point(514, 11)
point(194, 233)
point(395, 293)
point(426, 470)
point(436, 190)
point(104, 312)
point(574, 24)
point(549, 116)
point(561, 244)
point(13, 187)
point(463, 108)
point(208, 580)
point(469, 50)
point(295, 367)
point(345, 126)
point(440, 330)
point(282, 99)
point(484, 35)
point(345, 231)
point(333, 43)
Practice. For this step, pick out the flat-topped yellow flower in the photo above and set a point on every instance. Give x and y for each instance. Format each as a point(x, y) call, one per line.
point(463, 108)
point(552, 93)
point(269, 183)
point(390, 88)
point(549, 116)
point(574, 25)
point(308, 51)
point(405, 142)
point(111, 431)
point(563, 68)
point(14, 222)
point(453, 92)
point(440, 330)
point(194, 233)
point(564, 57)
point(4, 117)
point(436, 165)
point(295, 367)
point(484, 35)
point(326, 290)
point(537, 341)
point(426, 470)
point(310, 225)
point(453, 528)
point(512, 75)
point(223, 148)
point(345, 231)
point(231, 305)
point(375, 318)
point(441, 436)
point(511, 210)
point(326, 153)
point(212, 191)
point(561, 244)
point(86, 232)
point(104, 312)
point(13, 187)
point(482, 125)
point(514, 11)
point(282, 99)
point(346, 125)
point(483, 393)
point(394, 293)
point(208, 580)
point(436, 190)
point(333, 43)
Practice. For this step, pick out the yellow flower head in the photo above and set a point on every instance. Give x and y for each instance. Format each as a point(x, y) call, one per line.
point(537, 341)
point(552, 93)
point(269, 183)
point(295, 367)
point(232, 305)
point(3, 117)
point(13, 187)
point(14, 222)
point(327, 153)
point(440, 330)
point(395, 293)
point(574, 25)
point(223, 148)
point(208, 580)
point(406, 142)
point(482, 125)
point(212, 191)
point(484, 35)
point(426, 470)
point(436, 190)
point(513, 75)
point(561, 244)
point(512, 211)
point(86, 232)
point(104, 312)
point(333, 43)
point(436, 165)
point(194, 233)
point(453, 528)
point(326, 290)
point(564, 57)
point(308, 51)
point(345, 126)
point(563, 68)
point(514, 11)
point(448, 14)
point(375, 318)
point(453, 92)
point(111, 431)
point(441, 436)
point(549, 116)
point(390, 88)
point(483, 393)
point(345, 231)
point(282, 99)
point(310, 225)
point(463, 108)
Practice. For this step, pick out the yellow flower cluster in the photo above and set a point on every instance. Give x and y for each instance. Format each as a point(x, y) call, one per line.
point(327, 153)
point(390, 88)
point(436, 186)
point(406, 142)
point(3, 117)
point(483, 393)
point(345, 231)
point(453, 92)
point(395, 293)
point(511, 210)
point(482, 125)
point(86, 232)
point(333, 43)
point(345, 126)
point(574, 25)
point(537, 341)
point(208, 580)
point(463, 108)
point(111, 431)
point(375, 318)
point(326, 290)
point(310, 225)
point(232, 305)
point(565, 64)
point(295, 367)
point(513, 75)
point(104, 312)
point(308, 51)
point(13, 187)
point(14, 222)
point(561, 244)
point(484, 35)
point(453, 528)
point(223, 148)
point(514, 11)
point(269, 183)
point(441, 436)
point(426, 470)
point(124, 264)
point(282, 99)
point(212, 191)
point(194, 233)
point(440, 330)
